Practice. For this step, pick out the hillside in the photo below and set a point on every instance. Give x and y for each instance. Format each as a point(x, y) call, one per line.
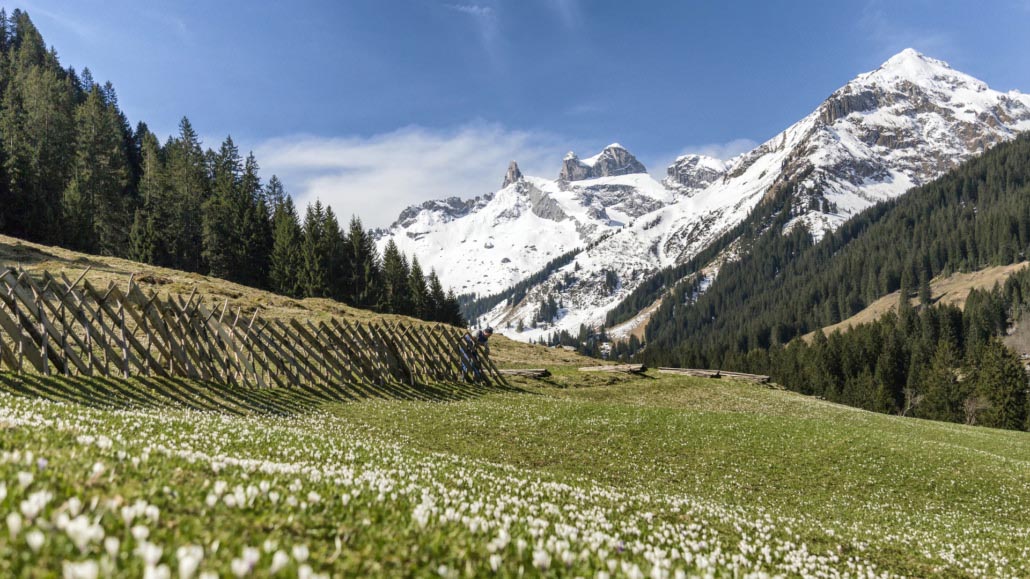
point(948, 290)
point(679, 474)
point(36, 258)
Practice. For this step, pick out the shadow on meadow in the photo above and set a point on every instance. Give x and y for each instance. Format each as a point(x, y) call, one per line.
point(152, 392)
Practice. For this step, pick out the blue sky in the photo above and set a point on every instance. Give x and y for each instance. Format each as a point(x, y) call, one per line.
point(375, 104)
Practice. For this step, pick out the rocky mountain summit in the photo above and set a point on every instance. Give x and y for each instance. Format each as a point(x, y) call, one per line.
point(693, 173)
point(886, 131)
point(612, 161)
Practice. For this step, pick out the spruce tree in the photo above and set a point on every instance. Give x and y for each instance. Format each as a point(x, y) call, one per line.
point(337, 261)
point(1002, 384)
point(421, 299)
point(396, 297)
point(222, 215)
point(437, 298)
point(286, 261)
point(96, 209)
point(366, 278)
point(188, 184)
point(314, 269)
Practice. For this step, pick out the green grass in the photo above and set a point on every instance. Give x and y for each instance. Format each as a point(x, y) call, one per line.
point(579, 475)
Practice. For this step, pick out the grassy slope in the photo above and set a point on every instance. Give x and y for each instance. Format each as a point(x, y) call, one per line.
point(909, 496)
point(911, 489)
point(36, 258)
point(953, 290)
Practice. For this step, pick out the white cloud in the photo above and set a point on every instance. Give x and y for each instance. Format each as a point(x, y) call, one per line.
point(472, 9)
point(724, 151)
point(377, 177)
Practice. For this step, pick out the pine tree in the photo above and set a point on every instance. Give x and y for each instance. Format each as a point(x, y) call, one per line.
point(188, 184)
point(37, 125)
point(142, 246)
point(286, 261)
point(255, 234)
point(396, 293)
point(366, 278)
point(940, 392)
point(222, 215)
point(451, 311)
point(314, 269)
point(421, 299)
point(1002, 384)
point(437, 299)
point(96, 210)
point(337, 261)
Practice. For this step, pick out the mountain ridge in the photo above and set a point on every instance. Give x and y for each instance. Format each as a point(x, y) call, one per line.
point(882, 133)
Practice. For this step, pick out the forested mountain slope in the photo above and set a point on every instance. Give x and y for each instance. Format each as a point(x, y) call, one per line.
point(787, 285)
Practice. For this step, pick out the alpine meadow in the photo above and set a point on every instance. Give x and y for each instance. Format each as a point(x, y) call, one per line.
point(331, 346)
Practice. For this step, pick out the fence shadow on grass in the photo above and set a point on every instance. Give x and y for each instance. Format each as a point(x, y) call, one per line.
point(154, 392)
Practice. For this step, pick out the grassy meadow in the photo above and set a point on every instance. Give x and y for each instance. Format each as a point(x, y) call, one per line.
point(578, 475)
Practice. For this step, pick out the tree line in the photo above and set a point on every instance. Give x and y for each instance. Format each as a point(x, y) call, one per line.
point(75, 173)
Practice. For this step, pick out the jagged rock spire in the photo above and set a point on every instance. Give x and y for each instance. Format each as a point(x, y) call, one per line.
point(513, 175)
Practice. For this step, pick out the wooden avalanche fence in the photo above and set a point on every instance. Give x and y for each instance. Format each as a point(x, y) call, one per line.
point(55, 325)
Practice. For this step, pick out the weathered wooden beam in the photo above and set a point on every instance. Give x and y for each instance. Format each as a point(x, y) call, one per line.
point(626, 368)
point(526, 372)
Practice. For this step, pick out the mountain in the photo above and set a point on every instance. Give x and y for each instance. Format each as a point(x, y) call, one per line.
point(886, 131)
point(488, 243)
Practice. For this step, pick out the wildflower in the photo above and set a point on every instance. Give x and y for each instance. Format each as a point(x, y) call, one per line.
point(541, 559)
point(189, 557)
point(82, 570)
point(35, 538)
point(140, 532)
point(111, 545)
point(24, 479)
point(300, 553)
point(14, 524)
point(279, 561)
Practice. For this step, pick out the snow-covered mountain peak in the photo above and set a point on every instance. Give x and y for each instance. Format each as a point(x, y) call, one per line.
point(912, 67)
point(692, 173)
point(611, 161)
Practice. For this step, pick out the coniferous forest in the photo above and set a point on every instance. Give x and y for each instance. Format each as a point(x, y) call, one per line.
point(928, 360)
point(74, 172)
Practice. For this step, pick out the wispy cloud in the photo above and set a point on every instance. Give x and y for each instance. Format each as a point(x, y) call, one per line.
point(724, 151)
point(487, 24)
point(587, 108)
point(473, 9)
point(377, 177)
point(84, 30)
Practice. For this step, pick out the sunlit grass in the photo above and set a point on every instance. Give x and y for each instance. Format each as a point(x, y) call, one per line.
point(632, 476)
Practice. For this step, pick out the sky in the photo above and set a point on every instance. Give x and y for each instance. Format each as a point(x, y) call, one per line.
point(373, 105)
